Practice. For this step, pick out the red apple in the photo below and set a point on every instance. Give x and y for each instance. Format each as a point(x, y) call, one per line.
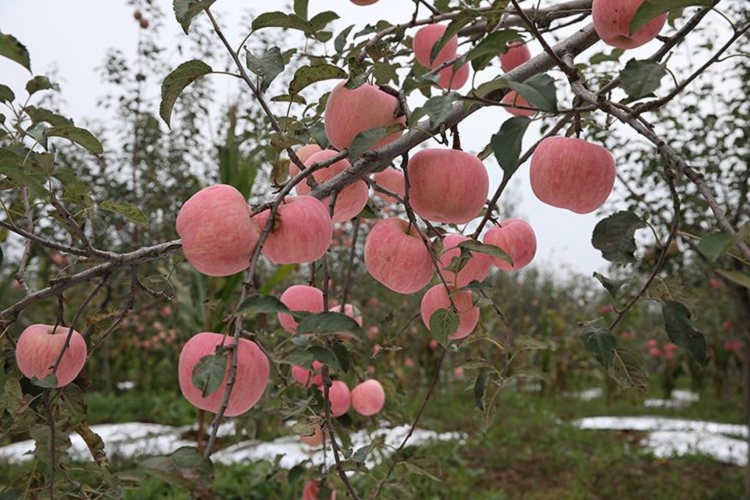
point(339, 397)
point(571, 173)
point(368, 398)
point(38, 348)
point(612, 19)
point(364, 2)
point(299, 298)
point(513, 99)
point(447, 185)
point(453, 80)
point(302, 231)
point(425, 38)
point(396, 256)
point(516, 238)
point(517, 54)
point(437, 298)
point(350, 201)
point(476, 268)
point(350, 112)
point(308, 378)
point(315, 439)
point(251, 378)
point(312, 488)
point(218, 234)
point(391, 179)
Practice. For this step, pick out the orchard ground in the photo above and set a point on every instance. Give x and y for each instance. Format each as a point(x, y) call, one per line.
point(533, 450)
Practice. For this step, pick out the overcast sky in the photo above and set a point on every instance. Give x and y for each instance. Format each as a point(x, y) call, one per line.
point(72, 36)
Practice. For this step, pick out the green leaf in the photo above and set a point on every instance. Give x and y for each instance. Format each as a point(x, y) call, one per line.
point(738, 277)
point(539, 90)
point(320, 21)
point(127, 210)
point(601, 343)
point(39, 83)
point(185, 467)
point(6, 94)
point(682, 332)
point(307, 75)
point(300, 8)
point(177, 81)
point(14, 50)
point(357, 73)
point(443, 324)
point(78, 135)
point(480, 389)
point(14, 167)
point(340, 41)
point(11, 495)
point(39, 115)
point(262, 304)
point(186, 10)
point(414, 469)
point(650, 9)
point(615, 236)
point(328, 323)
point(48, 382)
point(268, 66)
point(508, 143)
point(364, 141)
point(342, 355)
point(463, 18)
point(628, 370)
point(279, 275)
point(209, 372)
point(491, 250)
point(612, 286)
point(437, 108)
point(713, 245)
point(282, 20)
point(641, 78)
point(490, 47)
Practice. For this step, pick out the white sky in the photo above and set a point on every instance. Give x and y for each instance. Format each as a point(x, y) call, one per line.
point(72, 36)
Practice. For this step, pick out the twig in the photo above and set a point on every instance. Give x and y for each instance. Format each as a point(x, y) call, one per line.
point(21, 273)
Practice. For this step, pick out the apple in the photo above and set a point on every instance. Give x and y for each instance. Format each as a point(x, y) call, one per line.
point(306, 152)
point(218, 234)
point(391, 179)
point(350, 201)
point(437, 298)
point(339, 397)
point(350, 112)
point(396, 256)
point(298, 298)
point(612, 19)
point(368, 398)
point(39, 346)
point(302, 231)
point(250, 381)
point(513, 99)
point(516, 238)
point(351, 311)
point(447, 185)
point(364, 2)
point(453, 80)
point(426, 38)
point(315, 439)
point(517, 54)
point(311, 490)
point(308, 378)
point(476, 268)
point(571, 173)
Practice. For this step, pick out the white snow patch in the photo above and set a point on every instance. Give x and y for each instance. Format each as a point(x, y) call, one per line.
point(671, 436)
point(679, 399)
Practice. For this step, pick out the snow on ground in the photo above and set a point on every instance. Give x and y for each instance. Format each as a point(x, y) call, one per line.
point(138, 439)
point(676, 437)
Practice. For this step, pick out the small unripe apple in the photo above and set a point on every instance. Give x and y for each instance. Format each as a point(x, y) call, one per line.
point(368, 398)
point(612, 19)
point(517, 54)
point(476, 268)
point(350, 201)
point(396, 256)
point(312, 488)
point(447, 185)
point(425, 38)
point(513, 99)
point(437, 298)
point(218, 234)
point(299, 298)
point(350, 112)
point(250, 381)
point(516, 238)
point(302, 231)
point(38, 348)
point(571, 173)
point(391, 179)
